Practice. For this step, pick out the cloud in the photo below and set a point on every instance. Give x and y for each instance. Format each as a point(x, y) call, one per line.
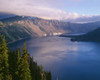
point(86, 19)
point(43, 9)
point(35, 8)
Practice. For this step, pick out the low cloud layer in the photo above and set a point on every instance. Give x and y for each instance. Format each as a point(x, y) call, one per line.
point(35, 8)
point(43, 9)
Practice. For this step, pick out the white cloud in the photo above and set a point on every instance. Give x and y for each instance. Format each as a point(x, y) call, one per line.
point(35, 8)
point(43, 9)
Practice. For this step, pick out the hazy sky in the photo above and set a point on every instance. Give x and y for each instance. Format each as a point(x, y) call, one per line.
point(53, 9)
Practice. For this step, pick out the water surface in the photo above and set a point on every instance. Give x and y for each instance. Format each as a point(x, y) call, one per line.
point(65, 59)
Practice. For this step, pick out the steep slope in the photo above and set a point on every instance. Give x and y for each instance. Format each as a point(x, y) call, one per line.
point(90, 36)
point(19, 27)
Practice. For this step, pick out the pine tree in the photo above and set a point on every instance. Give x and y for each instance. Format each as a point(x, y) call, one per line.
point(15, 65)
point(42, 72)
point(12, 63)
point(48, 75)
point(24, 66)
point(32, 68)
point(18, 59)
point(4, 67)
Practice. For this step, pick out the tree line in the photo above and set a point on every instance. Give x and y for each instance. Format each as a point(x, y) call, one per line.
point(19, 65)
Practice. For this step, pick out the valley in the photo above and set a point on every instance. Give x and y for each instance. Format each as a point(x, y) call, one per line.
point(21, 27)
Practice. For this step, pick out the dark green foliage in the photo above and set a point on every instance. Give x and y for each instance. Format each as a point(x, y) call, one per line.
point(35, 70)
point(18, 60)
point(48, 75)
point(12, 63)
point(24, 66)
point(45, 75)
point(4, 70)
point(17, 65)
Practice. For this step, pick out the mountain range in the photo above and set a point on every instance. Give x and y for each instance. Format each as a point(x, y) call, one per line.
point(21, 27)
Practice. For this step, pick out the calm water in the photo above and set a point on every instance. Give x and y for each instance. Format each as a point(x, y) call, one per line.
point(65, 59)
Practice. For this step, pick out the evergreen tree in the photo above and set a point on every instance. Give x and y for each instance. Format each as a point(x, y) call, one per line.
point(35, 70)
point(42, 73)
point(32, 68)
point(12, 63)
point(18, 59)
point(24, 66)
point(4, 67)
point(48, 75)
point(15, 65)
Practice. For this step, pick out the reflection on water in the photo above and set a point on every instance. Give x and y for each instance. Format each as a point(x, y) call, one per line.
point(65, 59)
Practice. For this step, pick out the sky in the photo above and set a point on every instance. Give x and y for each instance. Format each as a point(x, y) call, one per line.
point(67, 10)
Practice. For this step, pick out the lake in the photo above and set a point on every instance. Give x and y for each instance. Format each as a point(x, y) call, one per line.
point(65, 59)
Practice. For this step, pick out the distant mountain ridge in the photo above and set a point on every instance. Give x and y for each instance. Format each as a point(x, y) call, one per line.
point(20, 27)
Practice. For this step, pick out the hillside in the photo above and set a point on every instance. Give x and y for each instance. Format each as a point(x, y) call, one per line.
point(20, 27)
point(90, 36)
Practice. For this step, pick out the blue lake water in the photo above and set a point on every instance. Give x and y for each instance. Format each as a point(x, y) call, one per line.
point(65, 59)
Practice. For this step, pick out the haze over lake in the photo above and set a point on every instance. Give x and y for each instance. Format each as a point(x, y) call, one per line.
point(65, 59)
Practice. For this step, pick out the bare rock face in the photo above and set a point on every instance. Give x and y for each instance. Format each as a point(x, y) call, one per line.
point(20, 27)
